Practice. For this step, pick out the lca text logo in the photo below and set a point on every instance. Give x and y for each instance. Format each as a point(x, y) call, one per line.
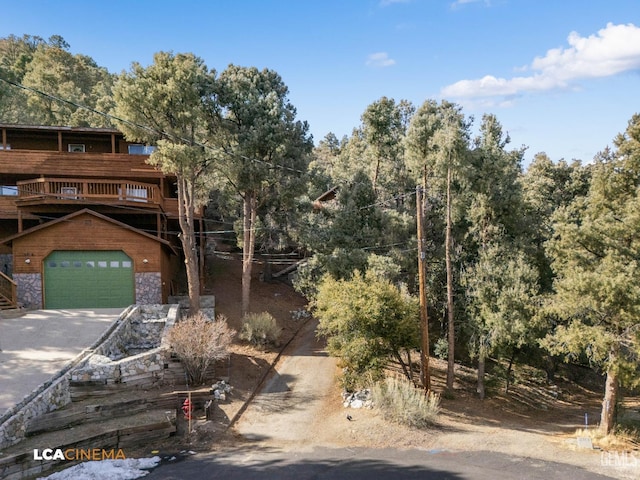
point(75, 454)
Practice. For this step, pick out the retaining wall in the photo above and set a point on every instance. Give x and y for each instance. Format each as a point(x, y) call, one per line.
point(112, 359)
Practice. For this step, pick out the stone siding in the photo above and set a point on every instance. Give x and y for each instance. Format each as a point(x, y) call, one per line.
point(29, 290)
point(6, 264)
point(148, 288)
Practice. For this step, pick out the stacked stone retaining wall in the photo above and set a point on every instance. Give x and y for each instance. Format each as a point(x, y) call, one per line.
point(113, 359)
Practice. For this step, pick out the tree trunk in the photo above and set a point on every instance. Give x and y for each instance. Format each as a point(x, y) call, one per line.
point(188, 239)
point(396, 354)
point(248, 242)
point(509, 368)
point(608, 414)
point(424, 317)
point(376, 172)
point(481, 369)
point(450, 313)
point(267, 276)
point(409, 362)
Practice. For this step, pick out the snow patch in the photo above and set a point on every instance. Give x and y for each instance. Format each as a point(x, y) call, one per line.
point(128, 469)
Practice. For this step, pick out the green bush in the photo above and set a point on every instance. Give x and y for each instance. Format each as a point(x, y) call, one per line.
point(366, 320)
point(402, 403)
point(441, 349)
point(260, 329)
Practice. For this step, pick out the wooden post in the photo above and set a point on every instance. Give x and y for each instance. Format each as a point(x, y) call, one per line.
point(202, 265)
point(190, 414)
point(424, 318)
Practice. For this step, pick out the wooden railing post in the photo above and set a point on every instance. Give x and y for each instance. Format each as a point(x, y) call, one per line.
point(8, 290)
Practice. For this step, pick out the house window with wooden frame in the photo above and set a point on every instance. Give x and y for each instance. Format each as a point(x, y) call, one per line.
point(76, 147)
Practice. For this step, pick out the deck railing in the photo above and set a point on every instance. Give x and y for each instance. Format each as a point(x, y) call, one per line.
point(7, 292)
point(53, 189)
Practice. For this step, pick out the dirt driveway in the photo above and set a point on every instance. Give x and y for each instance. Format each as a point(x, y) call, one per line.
point(290, 404)
point(299, 409)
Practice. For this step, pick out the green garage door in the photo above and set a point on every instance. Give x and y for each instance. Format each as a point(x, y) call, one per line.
point(81, 279)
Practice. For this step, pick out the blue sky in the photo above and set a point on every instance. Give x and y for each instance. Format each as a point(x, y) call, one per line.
point(562, 76)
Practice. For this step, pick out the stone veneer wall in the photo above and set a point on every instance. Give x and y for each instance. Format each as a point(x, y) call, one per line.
point(6, 263)
point(123, 335)
point(148, 288)
point(29, 290)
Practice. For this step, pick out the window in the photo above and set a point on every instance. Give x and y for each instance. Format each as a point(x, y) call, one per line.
point(139, 149)
point(9, 190)
point(137, 194)
point(69, 192)
point(76, 147)
point(134, 194)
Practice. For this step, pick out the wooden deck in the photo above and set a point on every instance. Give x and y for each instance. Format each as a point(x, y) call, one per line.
point(91, 165)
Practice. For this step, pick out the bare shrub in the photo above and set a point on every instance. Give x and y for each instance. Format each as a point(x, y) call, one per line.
point(402, 403)
point(198, 342)
point(260, 329)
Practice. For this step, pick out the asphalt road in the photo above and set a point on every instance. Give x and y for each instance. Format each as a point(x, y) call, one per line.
point(353, 464)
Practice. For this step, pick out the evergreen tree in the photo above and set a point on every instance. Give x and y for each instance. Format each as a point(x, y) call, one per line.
point(367, 320)
point(265, 150)
point(169, 104)
point(595, 250)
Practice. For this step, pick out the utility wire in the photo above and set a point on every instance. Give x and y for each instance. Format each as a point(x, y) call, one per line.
point(145, 127)
point(112, 117)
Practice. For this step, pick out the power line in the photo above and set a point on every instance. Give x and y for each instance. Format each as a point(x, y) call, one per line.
point(111, 117)
point(146, 127)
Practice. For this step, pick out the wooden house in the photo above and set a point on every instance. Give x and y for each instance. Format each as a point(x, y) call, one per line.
point(84, 220)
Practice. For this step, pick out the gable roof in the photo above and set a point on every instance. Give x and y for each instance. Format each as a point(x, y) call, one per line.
point(87, 211)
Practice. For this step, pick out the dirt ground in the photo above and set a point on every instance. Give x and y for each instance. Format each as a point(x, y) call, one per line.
point(536, 419)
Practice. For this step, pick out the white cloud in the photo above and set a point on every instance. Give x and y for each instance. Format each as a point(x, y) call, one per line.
point(380, 59)
point(614, 49)
point(386, 3)
point(460, 3)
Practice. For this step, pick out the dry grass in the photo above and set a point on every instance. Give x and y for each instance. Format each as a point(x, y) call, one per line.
point(402, 403)
point(621, 439)
point(260, 329)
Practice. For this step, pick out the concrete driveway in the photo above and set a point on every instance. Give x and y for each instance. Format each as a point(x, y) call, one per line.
point(35, 346)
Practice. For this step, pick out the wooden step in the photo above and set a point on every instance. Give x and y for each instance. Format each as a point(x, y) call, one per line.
point(18, 461)
point(100, 409)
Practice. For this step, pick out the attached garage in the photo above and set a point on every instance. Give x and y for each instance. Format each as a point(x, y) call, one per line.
point(94, 278)
point(88, 260)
